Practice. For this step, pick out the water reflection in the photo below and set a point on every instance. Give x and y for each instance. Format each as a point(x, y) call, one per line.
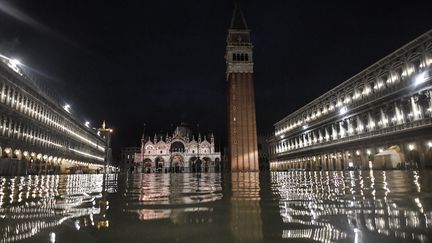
point(30, 204)
point(178, 197)
point(245, 210)
point(356, 206)
point(361, 206)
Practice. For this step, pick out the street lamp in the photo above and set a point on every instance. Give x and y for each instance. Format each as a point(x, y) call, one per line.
point(421, 78)
point(343, 110)
point(67, 107)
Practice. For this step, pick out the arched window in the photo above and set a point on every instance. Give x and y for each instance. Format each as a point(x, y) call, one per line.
point(177, 147)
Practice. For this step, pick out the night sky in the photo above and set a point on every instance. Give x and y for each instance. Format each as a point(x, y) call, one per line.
point(162, 62)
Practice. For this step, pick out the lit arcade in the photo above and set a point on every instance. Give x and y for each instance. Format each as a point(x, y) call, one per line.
point(39, 134)
point(381, 118)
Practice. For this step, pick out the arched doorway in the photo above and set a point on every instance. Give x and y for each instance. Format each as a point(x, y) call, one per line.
point(159, 164)
point(206, 164)
point(414, 159)
point(177, 162)
point(192, 164)
point(197, 165)
point(18, 154)
point(7, 153)
point(147, 165)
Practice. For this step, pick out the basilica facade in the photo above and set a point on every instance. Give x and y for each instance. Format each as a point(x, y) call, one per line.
point(179, 152)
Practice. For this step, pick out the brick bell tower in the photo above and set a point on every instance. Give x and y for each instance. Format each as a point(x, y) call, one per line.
point(242, 134)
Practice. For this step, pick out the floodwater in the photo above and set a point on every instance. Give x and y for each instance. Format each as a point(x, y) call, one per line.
point(351, 206)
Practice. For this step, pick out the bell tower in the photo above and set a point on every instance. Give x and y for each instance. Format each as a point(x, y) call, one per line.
point(242, 134)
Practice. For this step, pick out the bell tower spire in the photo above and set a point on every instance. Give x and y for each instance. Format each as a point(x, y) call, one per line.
point(242, 134)
point(238, 20)
point(239, 47)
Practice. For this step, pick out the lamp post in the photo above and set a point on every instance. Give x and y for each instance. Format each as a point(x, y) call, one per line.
point(106, 133)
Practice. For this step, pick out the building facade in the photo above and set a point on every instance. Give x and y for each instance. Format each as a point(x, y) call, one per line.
point(38, 135)
point(381, 118)
point(179, 152)
point(242, 133)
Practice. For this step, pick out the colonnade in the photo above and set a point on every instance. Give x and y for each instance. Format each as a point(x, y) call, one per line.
point(37, 134)
point(15, 161)
point(355, 122)
point(415, 154)
point(409, 112)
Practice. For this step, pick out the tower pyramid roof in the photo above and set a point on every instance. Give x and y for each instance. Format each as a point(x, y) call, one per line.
point(238, 20)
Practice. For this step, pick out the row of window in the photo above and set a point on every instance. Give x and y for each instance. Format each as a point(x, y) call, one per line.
point(35, 136)
point(10, 96)
point(363, 90)
point(412, 109)
point(240, 57)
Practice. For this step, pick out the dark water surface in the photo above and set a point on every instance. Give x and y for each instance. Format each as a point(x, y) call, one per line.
point(361, 206)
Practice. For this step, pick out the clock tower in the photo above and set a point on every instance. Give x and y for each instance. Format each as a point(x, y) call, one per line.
point(242, 134)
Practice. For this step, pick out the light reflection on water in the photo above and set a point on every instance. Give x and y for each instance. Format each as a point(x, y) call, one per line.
point(364, 206)
point(245, 210)
point(31, 204)
point(361, 206)
point(163, 196)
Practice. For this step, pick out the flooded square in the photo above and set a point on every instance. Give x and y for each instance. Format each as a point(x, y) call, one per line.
point(294, 206)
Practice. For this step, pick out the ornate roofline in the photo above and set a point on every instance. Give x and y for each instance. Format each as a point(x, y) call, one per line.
point(377, 66)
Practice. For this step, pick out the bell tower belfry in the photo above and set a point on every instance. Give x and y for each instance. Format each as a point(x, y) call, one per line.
point(242, 133)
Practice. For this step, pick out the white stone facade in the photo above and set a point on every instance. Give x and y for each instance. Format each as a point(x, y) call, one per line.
point(180, 152)
point(384, 113)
